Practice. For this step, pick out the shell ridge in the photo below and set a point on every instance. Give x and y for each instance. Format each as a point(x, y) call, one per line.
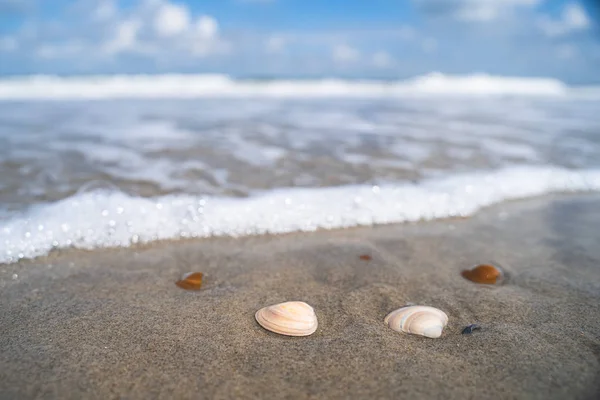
point(420, 320)
point(292, 318)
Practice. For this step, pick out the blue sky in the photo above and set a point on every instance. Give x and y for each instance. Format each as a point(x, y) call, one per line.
point(302, 38)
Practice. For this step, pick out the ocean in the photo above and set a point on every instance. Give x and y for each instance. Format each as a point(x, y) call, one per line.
point(95, 162)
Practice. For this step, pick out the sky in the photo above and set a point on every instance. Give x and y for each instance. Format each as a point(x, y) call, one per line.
point(388, 39)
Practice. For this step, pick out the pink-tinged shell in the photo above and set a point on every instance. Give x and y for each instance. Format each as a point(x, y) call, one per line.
point(418, 320)
point(292, 318)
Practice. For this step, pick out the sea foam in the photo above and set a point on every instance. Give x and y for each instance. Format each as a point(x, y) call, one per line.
point(196, 86)
point(100, 219)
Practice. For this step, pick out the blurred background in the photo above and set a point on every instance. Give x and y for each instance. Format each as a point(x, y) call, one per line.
point(127, 121)
point(391, 39)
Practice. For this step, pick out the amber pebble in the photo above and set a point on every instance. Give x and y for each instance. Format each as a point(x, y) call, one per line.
point(190, 281)
point(484, 273)
point(365, 257)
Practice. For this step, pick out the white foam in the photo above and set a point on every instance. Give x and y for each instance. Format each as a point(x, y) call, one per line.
point(486, 84)
point(194, 86)
point(251, 152)
point(107, 219)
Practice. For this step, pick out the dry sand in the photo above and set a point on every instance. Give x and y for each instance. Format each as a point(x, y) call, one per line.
point(112, 324)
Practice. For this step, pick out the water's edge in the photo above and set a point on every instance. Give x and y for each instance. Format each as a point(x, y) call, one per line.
point(101, 219)
point(191, 86)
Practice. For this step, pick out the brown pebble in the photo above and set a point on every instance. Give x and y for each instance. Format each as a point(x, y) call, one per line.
point(365, 257)
point(485, 273)
point(190, 281)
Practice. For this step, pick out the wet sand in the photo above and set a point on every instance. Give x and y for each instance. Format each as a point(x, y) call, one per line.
point(112, 324)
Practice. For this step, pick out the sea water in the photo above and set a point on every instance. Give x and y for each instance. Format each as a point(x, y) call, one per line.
point(93, 162)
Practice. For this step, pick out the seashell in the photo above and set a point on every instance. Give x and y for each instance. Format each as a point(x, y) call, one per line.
point(365, 257)
point(292, 318)
point(190, 281)
point(486, 274)
point(418, 320)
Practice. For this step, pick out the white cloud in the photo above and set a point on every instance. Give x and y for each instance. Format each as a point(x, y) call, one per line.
point(105, 10)
point(163, 35)
point(171, 19)
point(67, 49)
point(345, 54)
point(487, 10)
point(159, 27)
point(125, 37)
point(406, 33)
point(382, 59)
point(275, 44)
point(573, 18)
point(471, 10)
point(203, 48)
point(204, 39)
point(207, 27)
point(551, 27)
point(8, 43)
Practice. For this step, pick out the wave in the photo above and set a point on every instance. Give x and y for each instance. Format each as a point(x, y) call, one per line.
point(100, 219)
point(194, 86)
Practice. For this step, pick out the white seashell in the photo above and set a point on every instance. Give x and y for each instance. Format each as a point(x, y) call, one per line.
point(292, 318)
point(418, 320)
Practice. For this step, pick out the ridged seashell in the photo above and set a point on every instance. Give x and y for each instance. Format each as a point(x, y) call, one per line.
point(190, 281)
point(292, 318)
point(418, 320)
point(486, 274)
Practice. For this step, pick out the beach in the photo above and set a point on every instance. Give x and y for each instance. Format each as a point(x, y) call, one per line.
point(261, 199)
point(111, 323)
point(357, 198)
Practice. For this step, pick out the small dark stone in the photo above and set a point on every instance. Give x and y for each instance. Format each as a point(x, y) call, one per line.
point(469, 329)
